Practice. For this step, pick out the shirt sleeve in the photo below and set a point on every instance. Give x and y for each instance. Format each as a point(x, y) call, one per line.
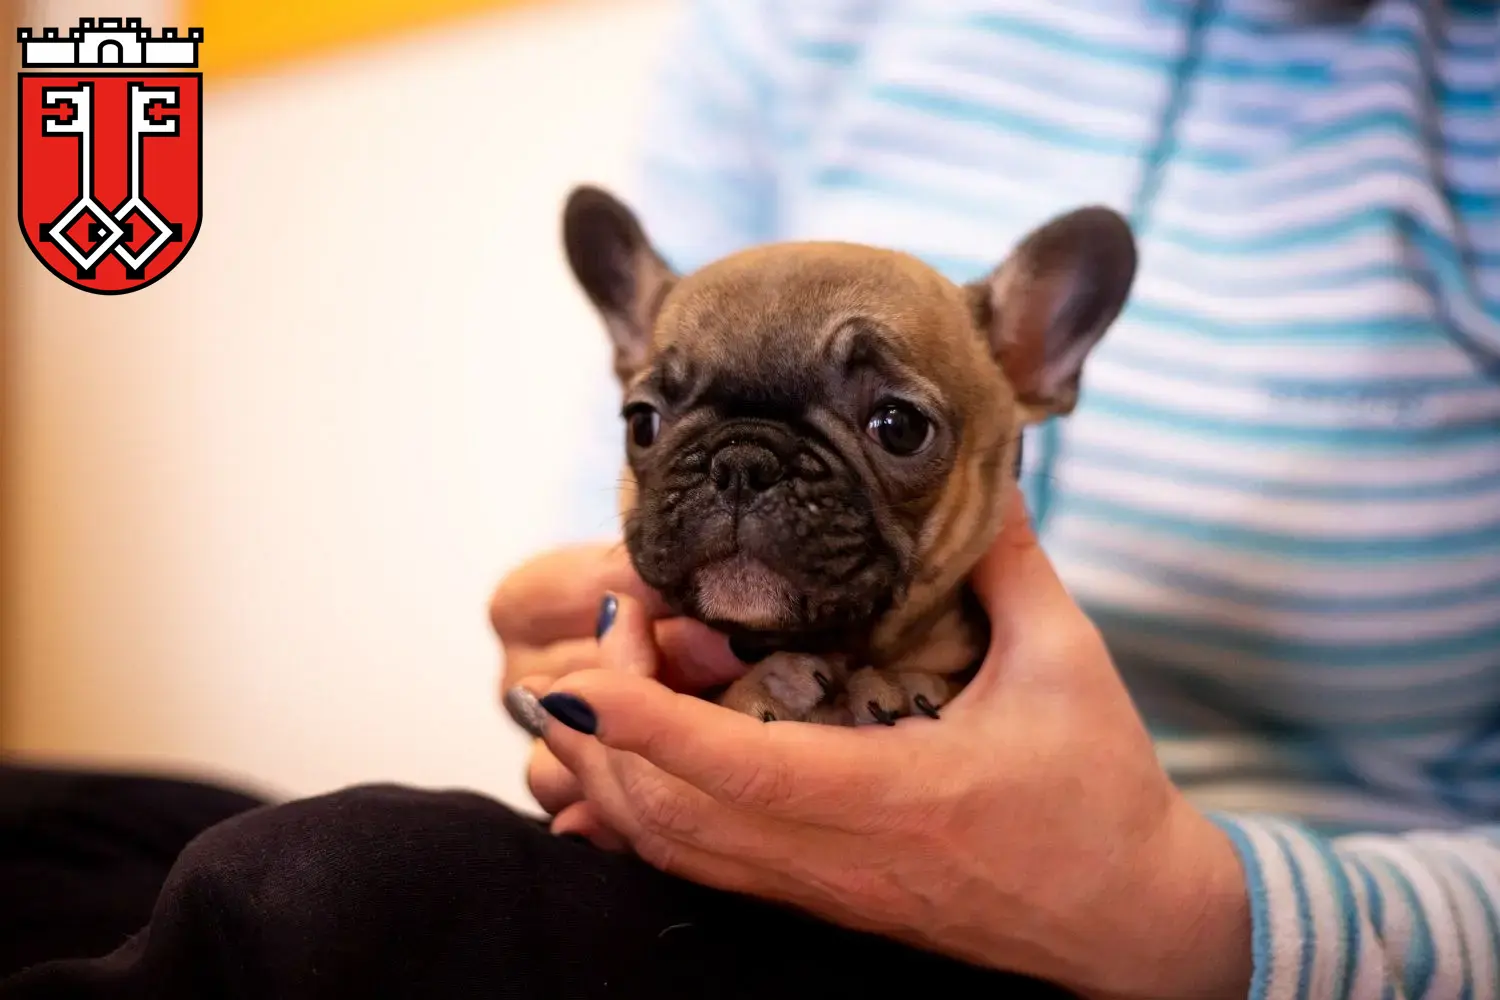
point(1366, 916)
point(706, 181)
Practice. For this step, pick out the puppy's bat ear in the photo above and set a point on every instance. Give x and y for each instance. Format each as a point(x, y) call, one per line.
point(1051, 301)
point(623, 276)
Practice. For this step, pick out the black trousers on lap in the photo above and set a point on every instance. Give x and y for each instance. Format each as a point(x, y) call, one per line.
point(83, 854)
point(384, 891)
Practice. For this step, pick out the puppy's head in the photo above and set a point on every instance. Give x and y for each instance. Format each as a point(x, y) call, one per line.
point(817, 433)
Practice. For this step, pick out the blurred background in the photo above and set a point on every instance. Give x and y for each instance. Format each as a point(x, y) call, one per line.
point(253, 513)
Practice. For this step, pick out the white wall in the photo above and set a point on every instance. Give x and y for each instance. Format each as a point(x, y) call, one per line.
point(261, 504)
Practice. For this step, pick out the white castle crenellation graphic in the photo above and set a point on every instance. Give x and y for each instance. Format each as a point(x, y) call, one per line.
point(109, 42)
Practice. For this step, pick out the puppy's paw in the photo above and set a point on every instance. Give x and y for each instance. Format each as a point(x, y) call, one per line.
point(926, 693)
point(834, 713)
point(883, 696)
point(786, 687)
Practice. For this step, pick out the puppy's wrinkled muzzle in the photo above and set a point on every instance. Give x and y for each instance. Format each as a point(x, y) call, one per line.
point(740, 471)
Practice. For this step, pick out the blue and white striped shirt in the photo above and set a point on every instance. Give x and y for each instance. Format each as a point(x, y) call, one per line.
point(1279, 496)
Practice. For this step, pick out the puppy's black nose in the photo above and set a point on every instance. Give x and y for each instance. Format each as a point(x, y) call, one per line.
point(742, 468)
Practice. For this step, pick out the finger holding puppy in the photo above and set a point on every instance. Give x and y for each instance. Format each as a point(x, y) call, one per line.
point(554, 786)
point(627, 647)
point(735, 759)
point(555, 596)
point(547, 615)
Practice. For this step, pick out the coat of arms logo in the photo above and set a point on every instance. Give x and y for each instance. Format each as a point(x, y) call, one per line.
point(111, 151)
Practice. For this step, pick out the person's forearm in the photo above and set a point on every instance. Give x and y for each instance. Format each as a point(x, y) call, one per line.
point(1239, 906)
point(1370, 916)
point(1178, 925)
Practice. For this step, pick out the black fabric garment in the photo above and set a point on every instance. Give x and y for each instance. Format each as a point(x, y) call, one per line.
point(84, 854)
point(385, 891)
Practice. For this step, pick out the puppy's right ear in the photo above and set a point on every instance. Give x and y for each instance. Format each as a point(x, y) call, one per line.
point(1046, 307)
point(623, 276)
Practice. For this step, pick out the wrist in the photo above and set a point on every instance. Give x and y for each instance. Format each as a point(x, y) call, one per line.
point(1179, 926)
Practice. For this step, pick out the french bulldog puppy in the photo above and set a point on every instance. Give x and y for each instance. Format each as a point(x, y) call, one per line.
point(820, 437)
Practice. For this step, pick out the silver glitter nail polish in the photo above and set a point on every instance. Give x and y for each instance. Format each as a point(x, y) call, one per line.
point(526, 710)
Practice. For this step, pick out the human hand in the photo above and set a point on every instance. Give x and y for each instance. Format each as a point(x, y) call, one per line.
point(547, 616)
point(1030, 829)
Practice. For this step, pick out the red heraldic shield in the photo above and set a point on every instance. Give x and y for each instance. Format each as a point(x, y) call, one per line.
point(111, 192)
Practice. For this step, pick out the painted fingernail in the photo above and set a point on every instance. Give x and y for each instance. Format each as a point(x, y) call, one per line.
point(526, 710)
point(607, 609)
point(572, 712)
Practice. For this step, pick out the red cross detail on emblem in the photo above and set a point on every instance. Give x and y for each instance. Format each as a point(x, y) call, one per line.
point(63, 112)
point(159, 111)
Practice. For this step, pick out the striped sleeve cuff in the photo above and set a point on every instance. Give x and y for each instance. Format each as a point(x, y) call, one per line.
point(1369, 916)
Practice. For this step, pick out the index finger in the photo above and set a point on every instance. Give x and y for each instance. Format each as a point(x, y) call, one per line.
point(1014, 579)
point(829, 775)
point(556, 595)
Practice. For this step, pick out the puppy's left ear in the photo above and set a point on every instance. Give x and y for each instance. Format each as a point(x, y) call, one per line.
point(1050, 302)
point(623, 276)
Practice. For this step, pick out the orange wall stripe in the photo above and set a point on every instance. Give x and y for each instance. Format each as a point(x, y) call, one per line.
point(249, 36)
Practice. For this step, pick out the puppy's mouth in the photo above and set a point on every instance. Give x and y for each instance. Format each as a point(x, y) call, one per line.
point(742, 593)
point(760, 534)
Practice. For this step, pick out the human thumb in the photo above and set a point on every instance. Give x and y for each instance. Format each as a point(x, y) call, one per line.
point(1017, 584)
point(627, 642)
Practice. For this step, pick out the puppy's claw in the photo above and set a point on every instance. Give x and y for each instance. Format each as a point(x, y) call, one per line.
point(768, 717)
point(924, 706)
point(881, 715)
point(824, 683)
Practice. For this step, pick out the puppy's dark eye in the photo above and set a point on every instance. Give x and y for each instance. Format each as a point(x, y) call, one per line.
point(900, 428)
point(644, 423)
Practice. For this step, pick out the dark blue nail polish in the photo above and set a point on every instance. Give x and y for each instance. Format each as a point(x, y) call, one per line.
point(607, 609)
point(572, 712)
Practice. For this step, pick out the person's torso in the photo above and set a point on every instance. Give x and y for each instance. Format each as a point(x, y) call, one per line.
point(1280, 493)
